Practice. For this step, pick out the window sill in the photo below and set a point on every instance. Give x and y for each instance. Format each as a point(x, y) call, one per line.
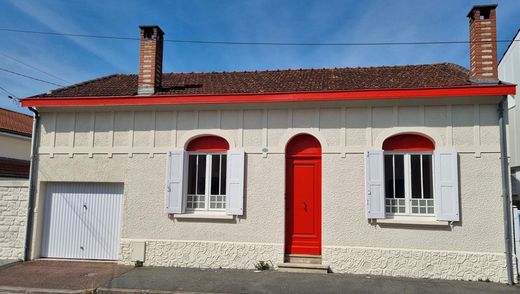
point(202, 216)
point(413, 222)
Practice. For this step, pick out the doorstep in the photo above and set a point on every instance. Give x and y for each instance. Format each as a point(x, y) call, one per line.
point(303, 263)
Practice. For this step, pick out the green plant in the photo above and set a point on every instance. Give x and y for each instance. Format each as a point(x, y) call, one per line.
point(138, 263)
point(262, 265)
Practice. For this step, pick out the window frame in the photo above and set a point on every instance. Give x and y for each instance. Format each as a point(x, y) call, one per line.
point(207, 192)
point(408, 184)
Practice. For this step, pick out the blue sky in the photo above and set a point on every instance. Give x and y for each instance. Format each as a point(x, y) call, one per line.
point(80, 59)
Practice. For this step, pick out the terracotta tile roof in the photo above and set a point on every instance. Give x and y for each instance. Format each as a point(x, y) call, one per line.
point(15, 122)
point(277, 81)
point(14, 168)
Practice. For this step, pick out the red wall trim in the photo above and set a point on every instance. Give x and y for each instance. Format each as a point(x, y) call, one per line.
point(473, 90)
point(208, 144)
point(408, 142)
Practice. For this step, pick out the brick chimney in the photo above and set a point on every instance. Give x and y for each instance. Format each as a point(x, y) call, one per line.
point(483, 42)
point(150, 60)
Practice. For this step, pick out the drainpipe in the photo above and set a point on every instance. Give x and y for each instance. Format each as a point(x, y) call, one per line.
point(508, 238)
point(32, 184)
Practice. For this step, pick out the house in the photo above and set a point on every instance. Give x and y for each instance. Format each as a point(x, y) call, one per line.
point(15, 144)
point(508, 70)
point(392, 170)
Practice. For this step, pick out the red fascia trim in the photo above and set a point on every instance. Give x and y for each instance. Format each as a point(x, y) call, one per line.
point(478, 90)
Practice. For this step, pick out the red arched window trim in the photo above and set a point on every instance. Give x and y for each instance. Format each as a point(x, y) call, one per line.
point(408, 142)
point(208, 144)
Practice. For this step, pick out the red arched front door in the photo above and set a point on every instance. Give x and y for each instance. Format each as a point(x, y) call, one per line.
point(303, 196)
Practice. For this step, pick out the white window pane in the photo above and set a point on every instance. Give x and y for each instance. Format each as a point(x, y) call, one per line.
point(192, 172)
point(415, 170)
point(201, 174)
point(215, 174)
point(223, 170)
point(399, 175)
point(389, 176)
point(427, 176)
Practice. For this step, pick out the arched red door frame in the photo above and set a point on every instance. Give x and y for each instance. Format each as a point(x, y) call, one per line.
point(303, 196)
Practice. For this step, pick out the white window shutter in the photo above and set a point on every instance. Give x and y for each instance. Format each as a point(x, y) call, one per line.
point(375, 184)
point(175, 181)
point(446, 185)
point(235, 182)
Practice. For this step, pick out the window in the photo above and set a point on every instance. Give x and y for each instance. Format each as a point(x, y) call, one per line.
point(206, 181)
point(207, 167)
point(409, 183)
point(411, 178)
point(408, 175)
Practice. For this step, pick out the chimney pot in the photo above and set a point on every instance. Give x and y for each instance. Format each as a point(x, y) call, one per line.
point(483, 42)
point(150, 60)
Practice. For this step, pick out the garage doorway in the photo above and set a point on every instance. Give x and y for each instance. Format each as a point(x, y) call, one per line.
point(82, 220)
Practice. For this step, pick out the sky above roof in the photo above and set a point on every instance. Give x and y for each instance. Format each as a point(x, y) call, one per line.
point(76, 59)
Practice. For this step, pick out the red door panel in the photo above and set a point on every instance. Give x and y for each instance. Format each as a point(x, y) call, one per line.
point(303, 206)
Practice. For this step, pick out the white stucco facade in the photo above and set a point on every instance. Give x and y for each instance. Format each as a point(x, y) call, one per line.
point(129, 146)
point(15, 146)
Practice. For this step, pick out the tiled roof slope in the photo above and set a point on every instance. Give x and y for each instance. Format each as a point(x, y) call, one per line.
point(279, 81)
point(15, 122)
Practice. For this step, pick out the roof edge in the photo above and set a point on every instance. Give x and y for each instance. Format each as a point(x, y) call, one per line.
point(371, 94)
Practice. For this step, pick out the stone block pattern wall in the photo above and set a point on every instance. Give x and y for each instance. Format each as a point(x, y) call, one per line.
point(14, 197)
point(448, 265)
point(201, 254)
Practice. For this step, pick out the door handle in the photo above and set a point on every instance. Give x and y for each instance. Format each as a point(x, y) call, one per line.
point(304, 206)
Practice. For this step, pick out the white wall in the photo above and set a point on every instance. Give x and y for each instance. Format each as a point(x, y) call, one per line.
point(129, 146)
point(16, 147)
point(470, 124)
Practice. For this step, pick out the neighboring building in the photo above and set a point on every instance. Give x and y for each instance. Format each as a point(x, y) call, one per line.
point(15, 144)
point(380, 170)
point(509, 71)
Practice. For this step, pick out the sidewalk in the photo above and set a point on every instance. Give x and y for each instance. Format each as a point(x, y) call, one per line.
point(185, 280)
point(51, 276)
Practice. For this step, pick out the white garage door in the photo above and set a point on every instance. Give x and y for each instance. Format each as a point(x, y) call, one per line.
point(82, 220)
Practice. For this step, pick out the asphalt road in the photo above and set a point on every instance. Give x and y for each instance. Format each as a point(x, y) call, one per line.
point(244, 281)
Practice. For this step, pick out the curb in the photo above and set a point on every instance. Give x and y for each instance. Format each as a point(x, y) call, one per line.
point(9, 264)
point(147, 291)
point(6, 289)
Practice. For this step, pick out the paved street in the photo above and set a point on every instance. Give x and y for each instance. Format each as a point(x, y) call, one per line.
point(240, 281)
point(46, 276)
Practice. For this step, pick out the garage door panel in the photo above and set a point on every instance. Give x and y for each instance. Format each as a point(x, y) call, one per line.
point(101, 221)
point(82, 220)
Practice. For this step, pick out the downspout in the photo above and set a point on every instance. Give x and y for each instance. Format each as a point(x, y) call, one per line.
point(32, 184)
point(506, 197)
